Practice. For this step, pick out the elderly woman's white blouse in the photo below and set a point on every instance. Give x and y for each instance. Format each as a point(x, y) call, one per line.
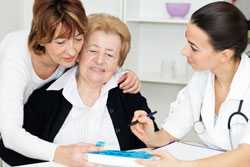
point(85, 124)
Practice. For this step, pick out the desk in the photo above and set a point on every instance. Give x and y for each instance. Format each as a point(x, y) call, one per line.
point(183, 151)
point(44, 164)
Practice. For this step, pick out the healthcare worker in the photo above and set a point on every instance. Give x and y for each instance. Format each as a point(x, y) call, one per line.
point(216, 102)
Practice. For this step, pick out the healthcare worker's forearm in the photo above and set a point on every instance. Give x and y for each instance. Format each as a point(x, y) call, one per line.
point(239, 157)
point(160, 138)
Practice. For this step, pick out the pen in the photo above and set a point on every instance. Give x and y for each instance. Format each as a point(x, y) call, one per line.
point(155, 148)
point(148, 115)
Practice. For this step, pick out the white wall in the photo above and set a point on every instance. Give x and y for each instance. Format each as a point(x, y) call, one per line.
point(26, 13)
point(15, 14)
point(10, 18)
point(244, 6)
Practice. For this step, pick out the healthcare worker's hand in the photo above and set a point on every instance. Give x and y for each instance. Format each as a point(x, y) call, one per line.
point(72, 155)
point(165, 159)
point(144, 130)
point(129, 82)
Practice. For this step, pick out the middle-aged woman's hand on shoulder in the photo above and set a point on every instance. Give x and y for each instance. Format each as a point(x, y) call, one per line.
point(129, 82)
point(72, 155)
point(144, 130)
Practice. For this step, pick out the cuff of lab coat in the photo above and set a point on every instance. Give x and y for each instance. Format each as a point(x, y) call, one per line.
point(174, 130)
point(52, 152)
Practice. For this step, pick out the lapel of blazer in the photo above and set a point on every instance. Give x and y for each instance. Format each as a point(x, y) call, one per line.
point(62, 110)
point(116, 110)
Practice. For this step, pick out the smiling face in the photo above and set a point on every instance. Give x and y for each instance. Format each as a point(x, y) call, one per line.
point(100, 56)
point(62, 50)
point(199, 52)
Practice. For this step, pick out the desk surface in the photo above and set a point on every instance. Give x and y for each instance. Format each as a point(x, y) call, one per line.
point(44, 164)
point(179, 150)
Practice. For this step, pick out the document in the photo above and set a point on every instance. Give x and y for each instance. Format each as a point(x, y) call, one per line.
point(188, 151)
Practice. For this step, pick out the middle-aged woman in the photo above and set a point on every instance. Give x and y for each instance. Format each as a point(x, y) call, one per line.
point(216, 38)
point(29, 60)
point(85, 104)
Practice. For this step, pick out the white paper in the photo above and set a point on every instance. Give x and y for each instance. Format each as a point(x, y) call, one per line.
point(184, 151)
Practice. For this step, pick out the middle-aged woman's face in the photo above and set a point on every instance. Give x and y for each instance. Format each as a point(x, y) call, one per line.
point(199, 52)
point(100, 56)
point(64, 51)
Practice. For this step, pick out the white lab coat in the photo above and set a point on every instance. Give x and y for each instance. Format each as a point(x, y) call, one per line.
point(198, 97)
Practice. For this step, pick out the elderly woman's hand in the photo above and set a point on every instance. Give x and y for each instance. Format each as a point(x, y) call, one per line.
point(129, 82)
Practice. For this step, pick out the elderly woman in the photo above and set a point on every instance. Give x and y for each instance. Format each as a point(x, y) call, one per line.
point(86, 104)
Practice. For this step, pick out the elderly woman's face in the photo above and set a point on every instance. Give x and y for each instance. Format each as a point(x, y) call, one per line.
point(100, 56)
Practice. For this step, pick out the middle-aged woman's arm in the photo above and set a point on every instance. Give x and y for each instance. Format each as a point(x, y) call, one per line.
point(13, 81)
point(238, 157)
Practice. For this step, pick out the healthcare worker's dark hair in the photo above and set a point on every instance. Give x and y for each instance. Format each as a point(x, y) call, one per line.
point(225, 24)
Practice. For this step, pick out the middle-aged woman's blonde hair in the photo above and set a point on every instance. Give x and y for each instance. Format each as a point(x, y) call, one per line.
point(111, 24)
point(48, 15)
